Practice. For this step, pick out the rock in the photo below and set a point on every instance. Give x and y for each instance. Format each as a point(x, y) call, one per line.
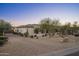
point(64, 39)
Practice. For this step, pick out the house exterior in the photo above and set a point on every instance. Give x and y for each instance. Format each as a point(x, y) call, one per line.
point(24, 28)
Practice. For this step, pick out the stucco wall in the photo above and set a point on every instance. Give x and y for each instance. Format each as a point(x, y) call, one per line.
point(24, 30)
point(31, 31)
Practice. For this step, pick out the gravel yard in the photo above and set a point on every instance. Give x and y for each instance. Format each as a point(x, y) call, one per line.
point(23, 46)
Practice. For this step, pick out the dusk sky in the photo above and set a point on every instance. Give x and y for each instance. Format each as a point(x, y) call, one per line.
point(30, 13)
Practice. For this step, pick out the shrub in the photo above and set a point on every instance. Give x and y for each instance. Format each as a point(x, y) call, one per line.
point(1, 34)
point(26, 34)
point(3, 39)
point(1, 42)
point(76, 34)
point(15, 33)
point(35, 35)
point(43, 35)
point(36, 30)
point(31, 36)
point(21, 34)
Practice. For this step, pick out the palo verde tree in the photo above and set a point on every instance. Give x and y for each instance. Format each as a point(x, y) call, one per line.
point(65, 29)
point(75, 27)
point(45, 24)
point(50, 26)
point(55, 26)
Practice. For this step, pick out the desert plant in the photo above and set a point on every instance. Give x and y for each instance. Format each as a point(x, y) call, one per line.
point(43, 35)
point(3, 39)
point(26, 34)
point(35, 35)
point(5, 26)
point(36, 30)
point(31, 36)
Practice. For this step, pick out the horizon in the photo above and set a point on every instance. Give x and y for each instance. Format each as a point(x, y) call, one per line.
point(32, 13)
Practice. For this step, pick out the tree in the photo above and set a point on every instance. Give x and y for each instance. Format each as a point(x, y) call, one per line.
point(66, 28)
point(55, 26)
point(26, 34)
point(55, 22)
point(50, 26)
point(75, 26)
point(4, 26)
point(45, 24)
point(36, 30)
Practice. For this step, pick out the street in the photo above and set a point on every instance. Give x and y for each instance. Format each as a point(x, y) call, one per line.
point(74, 54)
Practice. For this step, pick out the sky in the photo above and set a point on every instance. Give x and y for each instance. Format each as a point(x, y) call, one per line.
point(33, 13)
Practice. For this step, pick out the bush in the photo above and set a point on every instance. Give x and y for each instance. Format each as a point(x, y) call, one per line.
point(21, 34)
point(26, 34)
point(1, 34)
point(31, 36)
point(15, 33)
point(76, 34)
point(35, 35)
point(1, 42)
point(3, 39)
point(43, 35)
point(36, 30)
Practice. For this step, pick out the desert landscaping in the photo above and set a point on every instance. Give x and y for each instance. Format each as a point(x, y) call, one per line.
point(37, 40)
point(39, 29)
point(18, 45)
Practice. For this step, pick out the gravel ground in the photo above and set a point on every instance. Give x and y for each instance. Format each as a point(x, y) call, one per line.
point(22, 46)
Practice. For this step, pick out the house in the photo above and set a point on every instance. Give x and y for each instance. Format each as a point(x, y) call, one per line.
point(24, 28)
